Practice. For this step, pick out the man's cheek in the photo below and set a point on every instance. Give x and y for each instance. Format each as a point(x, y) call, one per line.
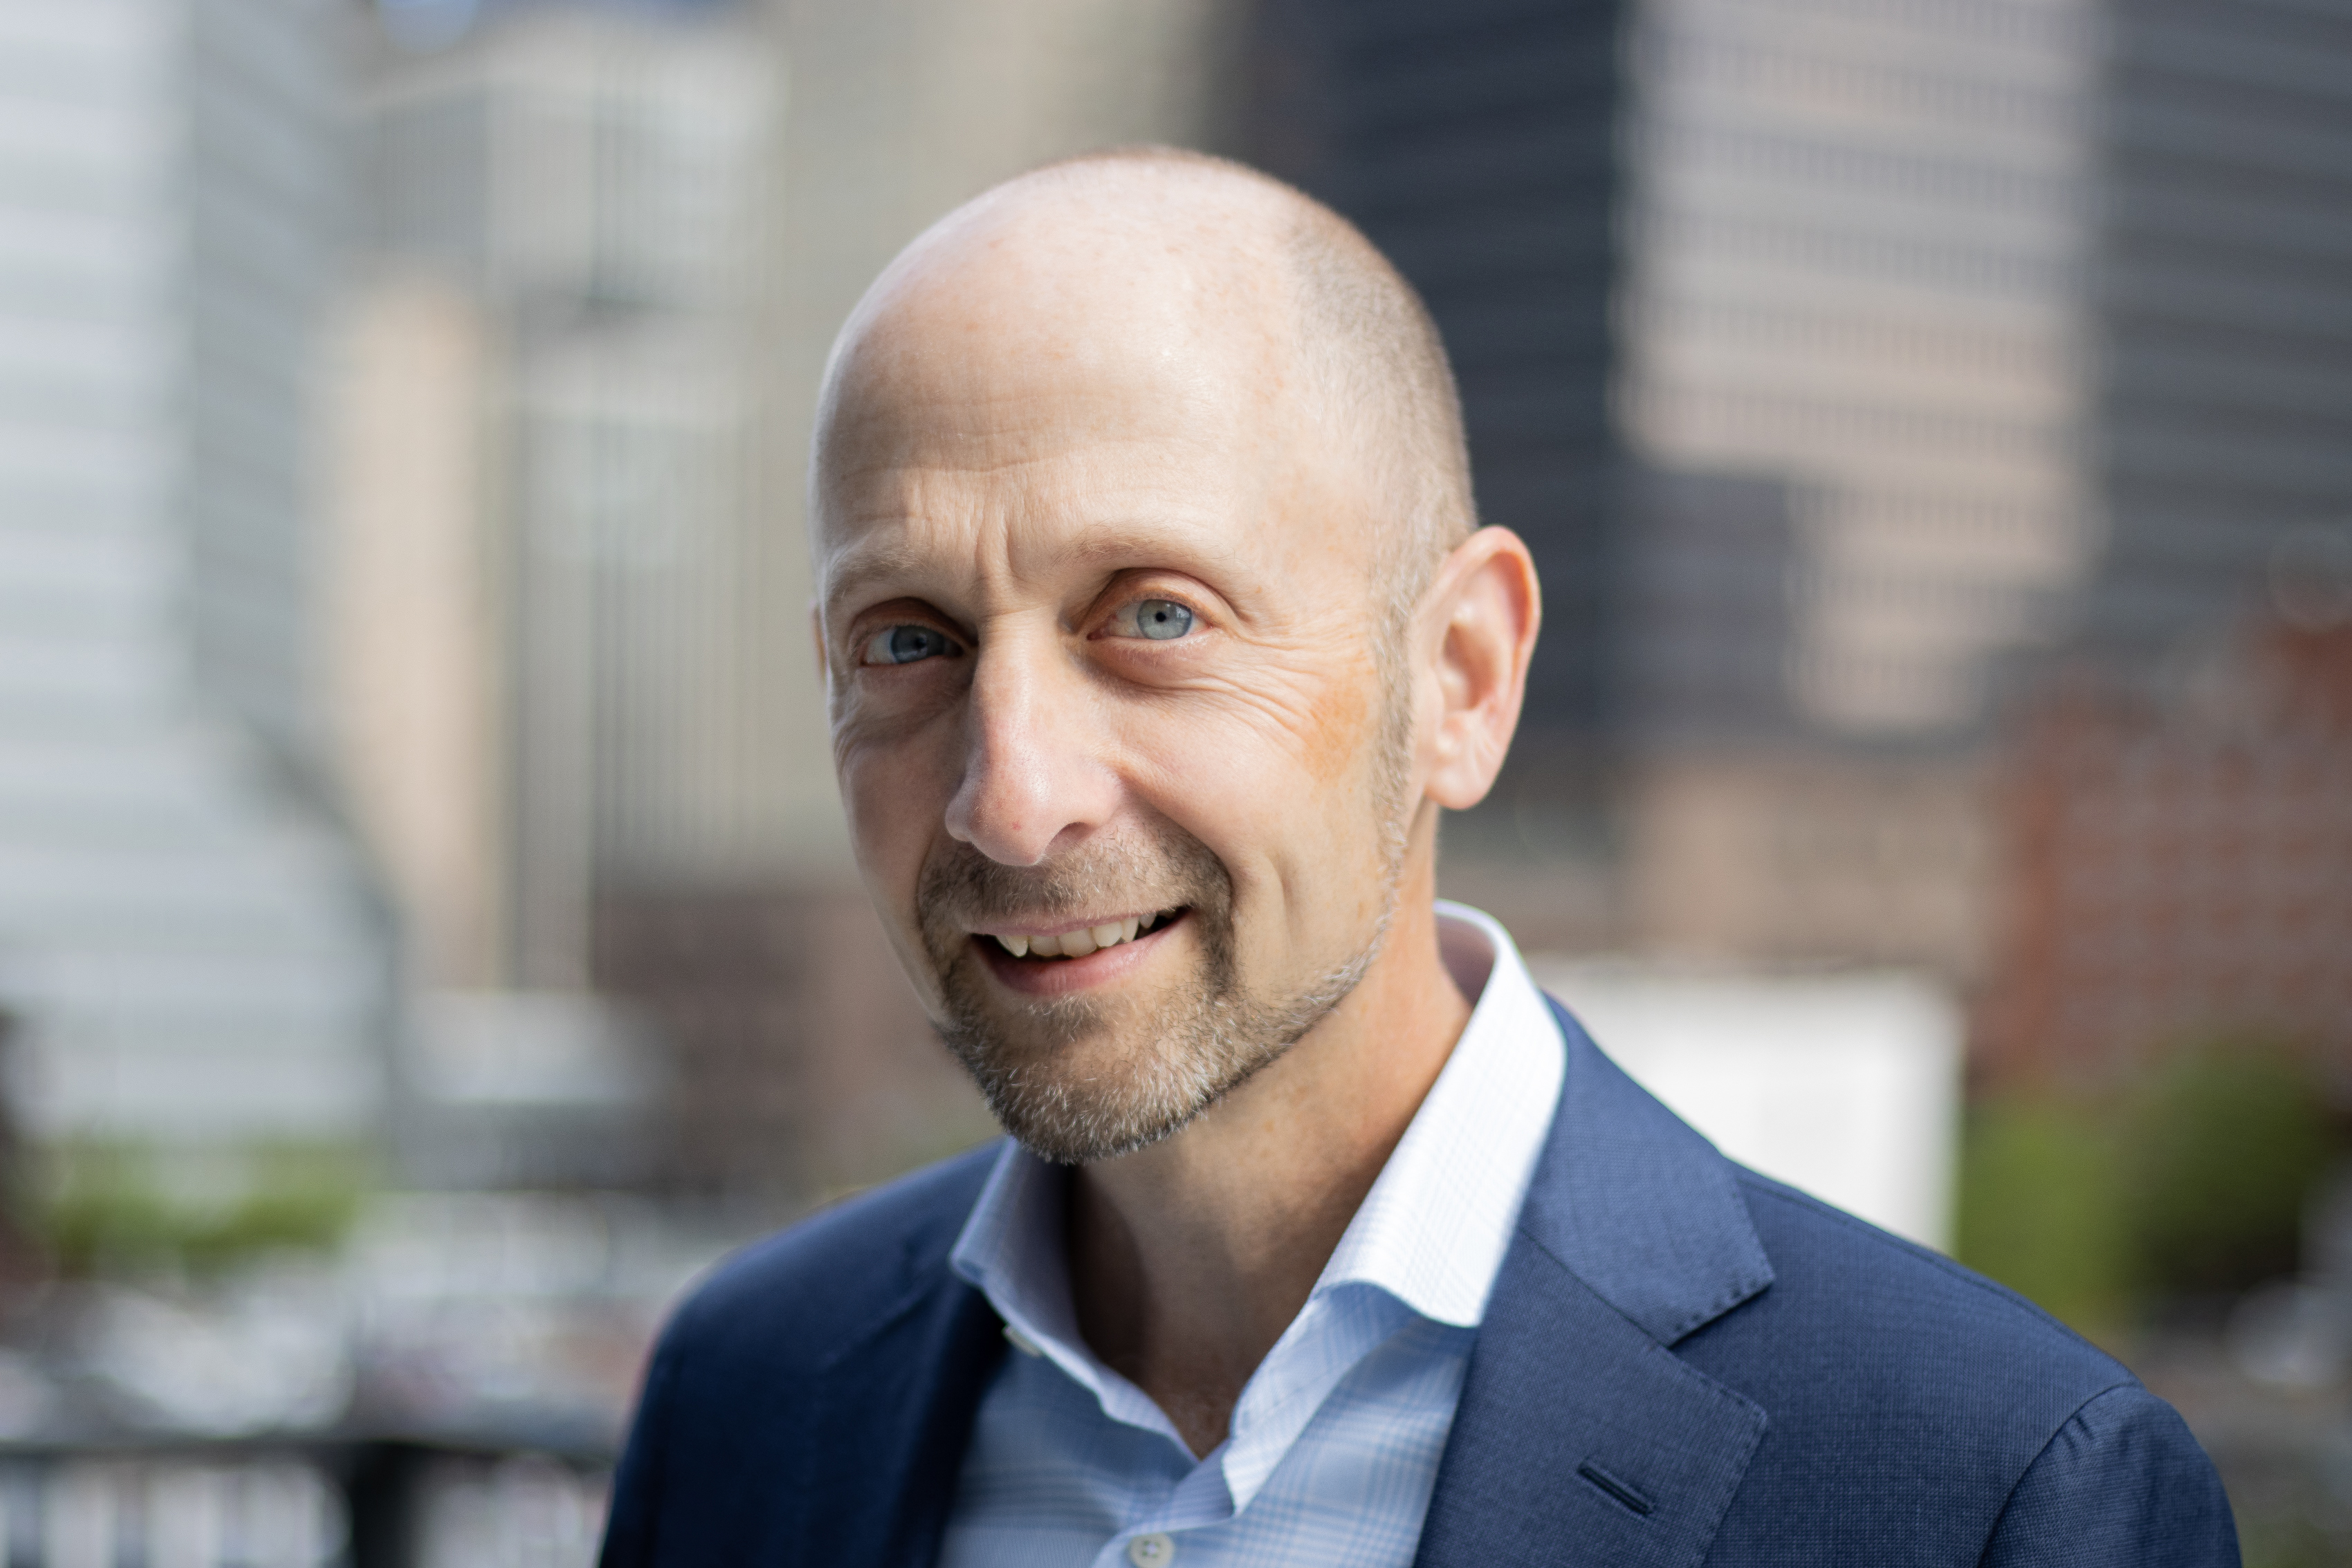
point(885, 789)
point(890, 859)
point(1289, 729)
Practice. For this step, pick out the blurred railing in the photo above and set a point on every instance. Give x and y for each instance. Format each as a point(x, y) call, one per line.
point(350, 1502)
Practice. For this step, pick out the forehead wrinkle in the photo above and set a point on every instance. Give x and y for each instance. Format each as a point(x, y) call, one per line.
point(981, 411)
point(1061, 454)
point(1092, 550)
point(1048, 456)
point(848, 570)
point(1127, 501)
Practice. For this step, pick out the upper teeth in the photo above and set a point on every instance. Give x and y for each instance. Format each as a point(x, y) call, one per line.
point(1078, 942)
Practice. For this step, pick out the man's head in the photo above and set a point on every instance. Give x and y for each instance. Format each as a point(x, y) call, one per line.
point(1144, 542)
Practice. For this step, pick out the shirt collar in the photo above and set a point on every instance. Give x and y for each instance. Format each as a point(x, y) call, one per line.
point(1434, 1229)
point(1431, 1233)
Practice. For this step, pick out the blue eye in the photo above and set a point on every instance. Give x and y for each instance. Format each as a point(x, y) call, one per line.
point(1156, 619)
point(905, 644)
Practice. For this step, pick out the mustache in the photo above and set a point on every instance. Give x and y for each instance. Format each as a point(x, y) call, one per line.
point(1167, 870)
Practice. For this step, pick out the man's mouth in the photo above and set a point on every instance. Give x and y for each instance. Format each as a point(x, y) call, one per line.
point(1080, 941)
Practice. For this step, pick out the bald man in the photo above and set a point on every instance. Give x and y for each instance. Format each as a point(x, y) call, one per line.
point(1157, 631)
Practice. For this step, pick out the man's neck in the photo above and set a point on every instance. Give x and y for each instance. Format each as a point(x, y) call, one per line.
point(1189, 1258)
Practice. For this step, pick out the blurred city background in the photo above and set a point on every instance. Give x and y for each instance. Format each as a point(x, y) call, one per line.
point(427, 932)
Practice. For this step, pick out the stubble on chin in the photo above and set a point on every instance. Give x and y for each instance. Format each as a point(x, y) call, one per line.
point(1078, 1079)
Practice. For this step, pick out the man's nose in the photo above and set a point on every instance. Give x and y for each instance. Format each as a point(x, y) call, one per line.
point(1034, 770)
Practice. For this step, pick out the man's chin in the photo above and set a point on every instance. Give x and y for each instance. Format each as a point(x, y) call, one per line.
point(1086, 1077)
point(1078, 1136)
point(1044, 1034)
point(1085, 1099)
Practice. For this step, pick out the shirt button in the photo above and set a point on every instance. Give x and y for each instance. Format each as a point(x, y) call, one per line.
point(1151, 1550)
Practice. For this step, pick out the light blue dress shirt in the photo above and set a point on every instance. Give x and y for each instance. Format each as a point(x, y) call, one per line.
point(1334, 1444)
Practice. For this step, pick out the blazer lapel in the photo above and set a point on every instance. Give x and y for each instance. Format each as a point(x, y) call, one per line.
point(893, 1415)
point(1580, 1437)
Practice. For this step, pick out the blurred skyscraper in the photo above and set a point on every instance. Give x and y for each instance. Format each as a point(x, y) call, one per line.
point(546, 436)
point(1840, 360)
point(2222, 303)
point(550, 635)
point(2180, 865)
point(183, 930)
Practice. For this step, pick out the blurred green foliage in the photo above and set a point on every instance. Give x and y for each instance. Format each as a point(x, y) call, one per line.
point(2223, 1148)
point(2041, 1209)
point(2193, 1184)
point(108, 1208)
point(2266, 1541)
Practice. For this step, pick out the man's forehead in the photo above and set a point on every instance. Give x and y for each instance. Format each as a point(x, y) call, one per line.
point(927, 555)
point(956, 404)
point(990, 347)
point(1064, 451)
point(1016, 417)
point(1163, 472)
point(1035, 295)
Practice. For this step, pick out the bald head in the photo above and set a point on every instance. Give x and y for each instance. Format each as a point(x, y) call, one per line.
point(1256, 296)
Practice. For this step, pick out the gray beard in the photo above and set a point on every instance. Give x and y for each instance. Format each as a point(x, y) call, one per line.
point(1210, 1039)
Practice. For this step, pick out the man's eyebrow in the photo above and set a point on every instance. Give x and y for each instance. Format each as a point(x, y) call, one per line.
point(1124, 545)
point(861, 566)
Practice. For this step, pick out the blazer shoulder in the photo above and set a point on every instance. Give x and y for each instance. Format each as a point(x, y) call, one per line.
point(1914, 1405)
point(1916, 1318)
point(824, 1281)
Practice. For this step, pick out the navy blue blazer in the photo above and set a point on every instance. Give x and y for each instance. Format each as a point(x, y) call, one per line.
point(1683, 1363)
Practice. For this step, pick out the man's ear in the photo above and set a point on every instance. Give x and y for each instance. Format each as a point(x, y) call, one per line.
point(1486, 608)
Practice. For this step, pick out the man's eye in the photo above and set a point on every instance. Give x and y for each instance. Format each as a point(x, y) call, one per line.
point(1157, 619)
point(905, 644)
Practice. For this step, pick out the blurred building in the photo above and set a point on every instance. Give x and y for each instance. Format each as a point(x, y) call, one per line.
point(2182, 869)
point(799, 1063)
point(185, 933)
point(1838, 362)
point(2176, 801)
point(1847, 1085)
point(548, 402)
point(549, 631)
point(2223, 302)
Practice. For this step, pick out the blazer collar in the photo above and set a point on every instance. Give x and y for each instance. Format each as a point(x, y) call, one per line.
point(1579, 1429)
point(1636, 1205)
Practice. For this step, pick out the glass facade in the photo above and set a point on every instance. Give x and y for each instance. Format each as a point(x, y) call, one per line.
point(186, 940)
point(1854, 269)
point(2223, 326)
point(586, 193)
